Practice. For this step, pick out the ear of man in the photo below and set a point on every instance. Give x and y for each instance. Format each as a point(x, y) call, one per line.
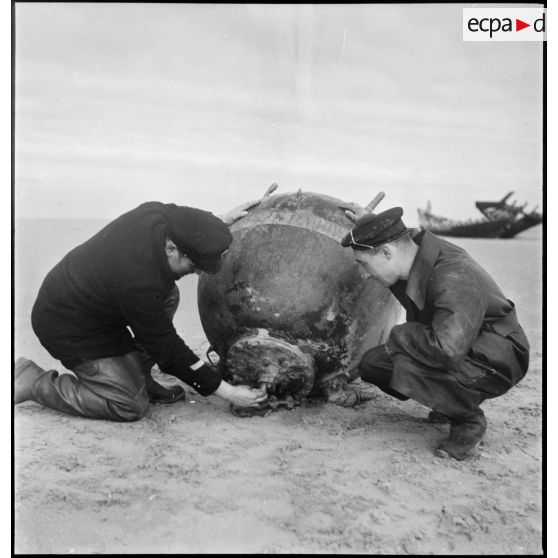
point(386, 250)
point(170, 247)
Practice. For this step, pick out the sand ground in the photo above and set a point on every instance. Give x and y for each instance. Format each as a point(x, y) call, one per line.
point(317, 479)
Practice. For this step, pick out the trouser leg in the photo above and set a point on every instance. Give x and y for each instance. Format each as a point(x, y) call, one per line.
point(376, 367)
point(404, 377)
point(456, 395)
point(435, 388)
point(458, 392)
point(107, 388)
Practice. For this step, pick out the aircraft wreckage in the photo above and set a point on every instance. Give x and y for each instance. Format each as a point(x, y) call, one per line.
point(289, 310)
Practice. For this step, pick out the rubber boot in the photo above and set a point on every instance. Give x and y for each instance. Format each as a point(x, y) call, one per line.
point(161, 395)
point(437, 418)
point(157, 393)
point(110, 388)
point(466, 433)
point(26, 373)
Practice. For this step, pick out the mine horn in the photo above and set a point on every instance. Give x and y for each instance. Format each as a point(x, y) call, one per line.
point(372, 205)
point(270, 190)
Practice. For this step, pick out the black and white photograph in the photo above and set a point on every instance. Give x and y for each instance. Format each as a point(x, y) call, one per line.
point(277, 278)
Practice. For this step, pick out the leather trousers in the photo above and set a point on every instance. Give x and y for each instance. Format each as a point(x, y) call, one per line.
point(111, 388)
point(453, 395)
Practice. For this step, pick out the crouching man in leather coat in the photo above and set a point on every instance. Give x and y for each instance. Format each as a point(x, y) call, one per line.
point(105, 311)
point(462, 342)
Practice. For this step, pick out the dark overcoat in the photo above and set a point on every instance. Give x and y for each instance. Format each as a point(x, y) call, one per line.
point(107, 296)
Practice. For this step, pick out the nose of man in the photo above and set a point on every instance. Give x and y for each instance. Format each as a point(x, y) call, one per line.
point(363, 269)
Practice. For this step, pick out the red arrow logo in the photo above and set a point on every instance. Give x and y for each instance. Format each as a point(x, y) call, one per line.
point(519, 25)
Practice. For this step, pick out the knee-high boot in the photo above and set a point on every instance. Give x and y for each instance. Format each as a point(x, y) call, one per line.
point(156, 392)
point(71, 395)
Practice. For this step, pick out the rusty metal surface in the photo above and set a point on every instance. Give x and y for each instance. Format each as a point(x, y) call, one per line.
point(286, 275)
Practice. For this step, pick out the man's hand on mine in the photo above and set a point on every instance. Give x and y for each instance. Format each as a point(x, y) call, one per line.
point(352, 210)
point(238, 212)
point(342, 397)
point(242, 396)
point(348, 395)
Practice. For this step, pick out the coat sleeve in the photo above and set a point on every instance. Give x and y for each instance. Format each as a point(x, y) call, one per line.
point(458, 301)
point(144, 311)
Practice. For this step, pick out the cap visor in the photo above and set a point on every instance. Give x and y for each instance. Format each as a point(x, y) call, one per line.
point(210, 266)
point(346, 241)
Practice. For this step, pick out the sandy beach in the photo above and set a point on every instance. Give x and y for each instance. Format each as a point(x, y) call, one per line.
point(193, 478)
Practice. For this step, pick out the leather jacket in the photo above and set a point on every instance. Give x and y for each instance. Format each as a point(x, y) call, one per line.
point(458, 319)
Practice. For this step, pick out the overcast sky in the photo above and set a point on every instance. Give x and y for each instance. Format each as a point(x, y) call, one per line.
point(206, 105)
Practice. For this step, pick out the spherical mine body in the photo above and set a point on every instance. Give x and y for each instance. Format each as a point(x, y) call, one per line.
point(289, 309)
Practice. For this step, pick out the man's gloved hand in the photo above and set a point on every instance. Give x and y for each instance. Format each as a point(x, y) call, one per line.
point(238, 212)
point(347, 396)
point(242, 210)
point(241, 396)
point(352, 210)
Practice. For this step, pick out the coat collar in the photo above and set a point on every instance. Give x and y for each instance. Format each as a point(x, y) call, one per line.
point(421, 269)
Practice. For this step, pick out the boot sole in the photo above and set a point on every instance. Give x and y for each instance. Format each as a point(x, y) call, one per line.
point(167, 401)
point(472, 452)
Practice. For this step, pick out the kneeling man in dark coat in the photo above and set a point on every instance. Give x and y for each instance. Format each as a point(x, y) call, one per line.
point(105, 311)
point(462, 342)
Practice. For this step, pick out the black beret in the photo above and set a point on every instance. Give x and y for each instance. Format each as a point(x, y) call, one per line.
point(199, 234)
point(373, 230)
